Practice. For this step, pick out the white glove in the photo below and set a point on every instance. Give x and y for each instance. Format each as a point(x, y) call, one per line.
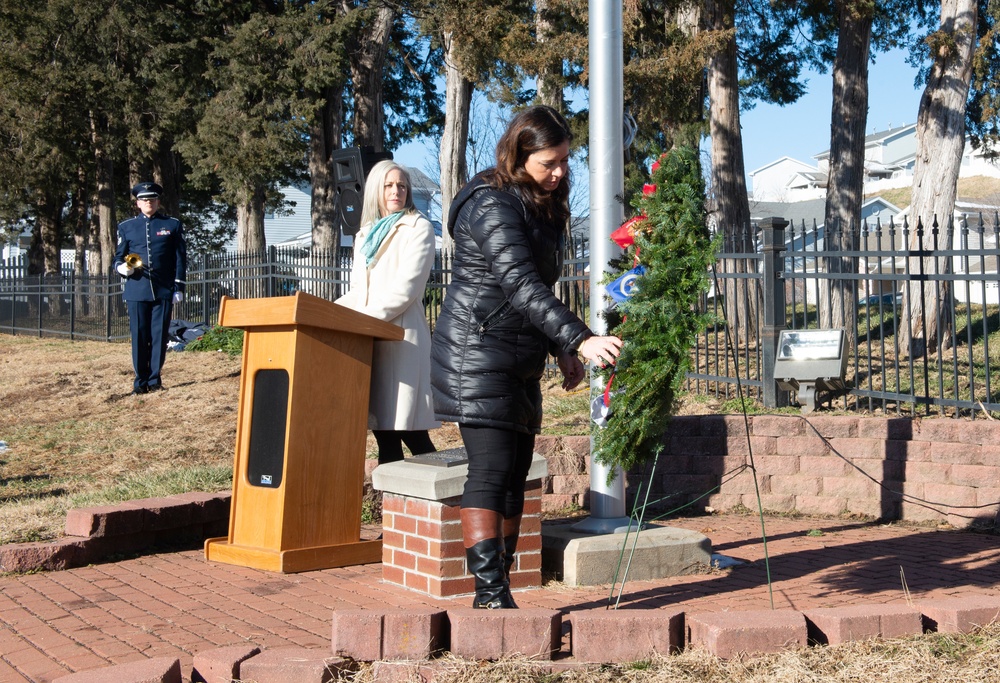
point(178, 297)
point(125, 270)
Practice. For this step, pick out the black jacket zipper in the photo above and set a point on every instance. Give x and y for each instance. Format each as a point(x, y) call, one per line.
point(493, 318)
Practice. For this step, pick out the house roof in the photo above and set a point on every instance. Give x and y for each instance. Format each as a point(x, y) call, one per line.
point(803, 164)
point(808, 179)
point(794, 212)
point(876, 138)
point(809, 212)
point(420, 180)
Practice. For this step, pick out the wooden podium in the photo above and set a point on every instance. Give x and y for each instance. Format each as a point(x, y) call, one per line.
point(298, 471)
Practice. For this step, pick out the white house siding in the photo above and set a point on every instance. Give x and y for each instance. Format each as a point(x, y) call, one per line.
point(770, 182)
point(279, 229)
point(893, 145)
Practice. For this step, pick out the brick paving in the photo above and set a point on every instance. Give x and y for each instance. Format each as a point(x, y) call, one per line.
point(178, 604)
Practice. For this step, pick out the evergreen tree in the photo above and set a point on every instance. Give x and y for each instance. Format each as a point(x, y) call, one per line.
point(660, 321)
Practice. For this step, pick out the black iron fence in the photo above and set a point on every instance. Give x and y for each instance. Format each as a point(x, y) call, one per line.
point(774, 276)
point(768, 277)
point(91, 307)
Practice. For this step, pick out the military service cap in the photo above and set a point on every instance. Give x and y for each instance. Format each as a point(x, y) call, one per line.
point(147, 190)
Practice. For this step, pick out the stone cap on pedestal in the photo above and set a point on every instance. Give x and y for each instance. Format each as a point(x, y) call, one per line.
point(436, 481)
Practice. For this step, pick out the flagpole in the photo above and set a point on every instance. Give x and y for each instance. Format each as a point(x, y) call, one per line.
point(607, 183)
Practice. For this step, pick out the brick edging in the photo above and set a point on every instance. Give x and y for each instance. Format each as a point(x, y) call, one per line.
point(94, 534)
point(402, 643)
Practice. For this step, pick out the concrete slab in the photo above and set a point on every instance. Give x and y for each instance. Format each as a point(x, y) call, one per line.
point(435, 482)
point(582, 559)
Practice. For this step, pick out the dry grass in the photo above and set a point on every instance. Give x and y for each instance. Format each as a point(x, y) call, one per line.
point(980, 189)
point(936, 658)
point(76, 437)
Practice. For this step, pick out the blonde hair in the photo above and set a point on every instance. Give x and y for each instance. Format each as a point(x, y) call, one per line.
point(374, 184)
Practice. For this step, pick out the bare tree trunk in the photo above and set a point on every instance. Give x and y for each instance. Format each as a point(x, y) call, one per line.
point(77, 219)
point(731, 213)
point(94, 268)
point(250, 222)
point(455, 137)
point(323, 140)
point(250, 237)
point(367, 64)
point(940, 143)
point(550, 80)
point(165, 173)
point(105, 208)
point(49, 207)
point(845, 189)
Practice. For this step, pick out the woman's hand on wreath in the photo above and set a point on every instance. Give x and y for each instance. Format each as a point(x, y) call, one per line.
point(602, 351)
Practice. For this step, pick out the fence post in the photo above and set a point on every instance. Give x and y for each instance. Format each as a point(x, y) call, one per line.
point(272, 270)
point(773, 289)
point(72, 305)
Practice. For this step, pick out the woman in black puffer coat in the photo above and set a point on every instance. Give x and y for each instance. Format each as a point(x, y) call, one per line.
point(500, 321)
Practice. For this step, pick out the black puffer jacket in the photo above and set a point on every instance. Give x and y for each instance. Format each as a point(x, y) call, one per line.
point(500, 317)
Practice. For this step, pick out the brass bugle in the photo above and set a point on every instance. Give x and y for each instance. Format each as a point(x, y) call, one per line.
point(133, 261)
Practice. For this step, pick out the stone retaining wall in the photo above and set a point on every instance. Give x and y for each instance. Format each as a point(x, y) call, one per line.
point(949, 471)
point(909, 469)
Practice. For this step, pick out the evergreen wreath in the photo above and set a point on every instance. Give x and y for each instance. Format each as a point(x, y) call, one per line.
point(660, 321)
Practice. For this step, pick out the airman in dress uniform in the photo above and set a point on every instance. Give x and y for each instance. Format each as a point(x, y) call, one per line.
point(152, 257)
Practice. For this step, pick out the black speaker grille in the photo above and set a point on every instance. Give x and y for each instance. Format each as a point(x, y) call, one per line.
point(268, 417)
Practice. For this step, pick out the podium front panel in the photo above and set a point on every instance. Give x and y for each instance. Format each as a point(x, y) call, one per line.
point(301, 431)
point(266, 457)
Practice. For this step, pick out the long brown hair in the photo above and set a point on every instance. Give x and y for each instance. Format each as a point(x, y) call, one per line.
point(532, 130)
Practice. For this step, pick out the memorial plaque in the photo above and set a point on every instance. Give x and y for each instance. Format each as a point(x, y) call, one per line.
point(447, 458)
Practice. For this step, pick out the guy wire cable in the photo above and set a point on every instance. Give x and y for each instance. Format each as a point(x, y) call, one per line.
point(628, 530)
point(726, 477)
point(645, 500)
point(641, 515)
point(746, 428)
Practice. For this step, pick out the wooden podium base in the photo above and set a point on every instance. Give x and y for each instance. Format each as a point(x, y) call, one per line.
point(297, 560)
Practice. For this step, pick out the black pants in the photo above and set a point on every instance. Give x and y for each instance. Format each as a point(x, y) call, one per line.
point(499, 460)
point(149, 322)
point(390, 444)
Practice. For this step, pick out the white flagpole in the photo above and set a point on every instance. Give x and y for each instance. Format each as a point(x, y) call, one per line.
point(607, 182)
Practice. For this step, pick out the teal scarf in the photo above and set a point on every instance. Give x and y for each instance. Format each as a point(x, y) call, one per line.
point(373, 240)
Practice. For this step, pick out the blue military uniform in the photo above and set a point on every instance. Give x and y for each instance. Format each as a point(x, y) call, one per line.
point(149, 290)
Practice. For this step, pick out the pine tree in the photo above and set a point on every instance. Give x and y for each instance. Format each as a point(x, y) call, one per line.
point(661, 320)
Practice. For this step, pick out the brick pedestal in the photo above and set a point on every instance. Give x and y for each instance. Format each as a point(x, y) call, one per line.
point(422, 533)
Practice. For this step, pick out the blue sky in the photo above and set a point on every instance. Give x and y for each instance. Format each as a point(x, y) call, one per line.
point(802, 129)
point(799, 130)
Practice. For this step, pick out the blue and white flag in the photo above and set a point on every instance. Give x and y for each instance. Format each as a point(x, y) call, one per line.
point(622, 288)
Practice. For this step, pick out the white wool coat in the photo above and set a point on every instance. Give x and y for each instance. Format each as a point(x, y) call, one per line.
point(392, 289)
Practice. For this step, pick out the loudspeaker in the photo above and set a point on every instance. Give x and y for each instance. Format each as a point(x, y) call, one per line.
point(350, 168)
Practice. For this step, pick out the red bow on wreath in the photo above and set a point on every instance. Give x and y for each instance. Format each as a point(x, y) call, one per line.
point(624, 236)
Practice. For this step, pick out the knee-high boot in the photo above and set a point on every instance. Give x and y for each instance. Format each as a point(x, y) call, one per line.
point(511, 532)
point(484, 554)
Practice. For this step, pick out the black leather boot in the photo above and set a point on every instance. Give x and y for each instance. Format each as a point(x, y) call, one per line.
point(509, 548)
point(486, 564)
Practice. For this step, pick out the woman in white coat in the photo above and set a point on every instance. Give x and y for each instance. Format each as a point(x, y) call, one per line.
point(393, 256)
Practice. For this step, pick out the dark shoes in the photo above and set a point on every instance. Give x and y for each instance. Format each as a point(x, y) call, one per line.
point(486, 564)
point(509, 548)
point(147, 390)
